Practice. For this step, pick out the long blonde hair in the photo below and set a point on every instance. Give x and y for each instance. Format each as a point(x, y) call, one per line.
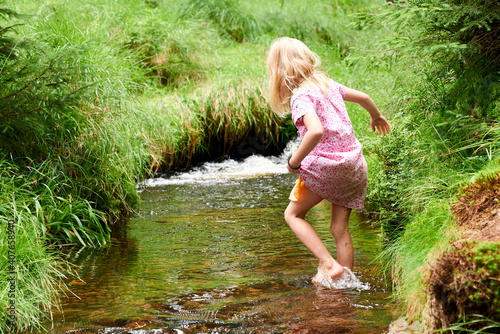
point(290, 64)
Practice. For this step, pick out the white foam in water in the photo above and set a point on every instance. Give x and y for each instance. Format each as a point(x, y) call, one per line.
point(215, 172)
point(229, 169)
point(346, 281)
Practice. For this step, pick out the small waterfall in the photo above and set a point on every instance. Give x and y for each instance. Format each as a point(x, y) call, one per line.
point(229, 169)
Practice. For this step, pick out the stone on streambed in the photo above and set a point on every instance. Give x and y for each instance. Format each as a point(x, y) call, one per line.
point(401, 326)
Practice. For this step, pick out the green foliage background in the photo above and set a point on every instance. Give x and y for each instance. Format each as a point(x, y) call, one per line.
point(445, 137)
point(97, 95)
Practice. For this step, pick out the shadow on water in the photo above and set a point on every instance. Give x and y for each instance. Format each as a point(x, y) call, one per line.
point(213, 255)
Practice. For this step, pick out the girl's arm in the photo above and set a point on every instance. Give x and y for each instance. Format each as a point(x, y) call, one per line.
point(377, 121)
point(309, 142)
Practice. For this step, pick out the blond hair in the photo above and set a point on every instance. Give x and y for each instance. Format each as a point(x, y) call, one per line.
point(290, 65)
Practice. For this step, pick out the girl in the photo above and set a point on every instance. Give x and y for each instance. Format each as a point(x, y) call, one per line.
point(329, 158)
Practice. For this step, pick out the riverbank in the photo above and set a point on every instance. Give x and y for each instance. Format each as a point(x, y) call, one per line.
point(441, 163)
point(141, 87)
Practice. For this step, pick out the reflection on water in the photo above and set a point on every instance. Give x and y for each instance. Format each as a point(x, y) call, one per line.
point(215, 256)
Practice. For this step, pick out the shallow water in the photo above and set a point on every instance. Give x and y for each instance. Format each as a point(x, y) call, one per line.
point(209, 252)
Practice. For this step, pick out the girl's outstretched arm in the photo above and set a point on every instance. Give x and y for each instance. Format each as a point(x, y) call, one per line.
point(377, 121)
point(310, 140)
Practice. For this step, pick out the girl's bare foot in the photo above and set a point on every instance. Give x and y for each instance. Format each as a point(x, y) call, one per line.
point(333, 270)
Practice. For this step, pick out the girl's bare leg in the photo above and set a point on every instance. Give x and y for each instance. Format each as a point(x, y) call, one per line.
point(294, 216)
point(340, 231)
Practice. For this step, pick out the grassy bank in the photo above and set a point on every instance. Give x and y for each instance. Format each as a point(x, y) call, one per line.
point(96, 95)
point(444, 147)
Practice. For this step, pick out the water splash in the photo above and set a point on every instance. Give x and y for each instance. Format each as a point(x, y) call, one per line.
point(229, 169)
point(346, 281)
point(290, 148)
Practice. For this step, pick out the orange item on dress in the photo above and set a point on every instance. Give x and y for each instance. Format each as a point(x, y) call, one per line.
point(297, 190)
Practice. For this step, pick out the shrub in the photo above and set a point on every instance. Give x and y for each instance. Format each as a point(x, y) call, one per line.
point(451, 112)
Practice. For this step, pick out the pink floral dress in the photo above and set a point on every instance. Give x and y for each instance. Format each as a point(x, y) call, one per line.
point(335, 169)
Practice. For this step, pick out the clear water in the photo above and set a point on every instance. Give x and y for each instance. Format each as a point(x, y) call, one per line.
point(209, 252)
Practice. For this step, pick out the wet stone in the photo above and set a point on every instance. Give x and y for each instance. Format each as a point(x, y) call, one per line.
point(401, 326)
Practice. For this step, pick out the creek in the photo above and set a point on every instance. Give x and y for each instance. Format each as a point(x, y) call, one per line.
point(209, 252)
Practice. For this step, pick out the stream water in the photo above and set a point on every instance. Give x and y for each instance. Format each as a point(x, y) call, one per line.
point(209, 252)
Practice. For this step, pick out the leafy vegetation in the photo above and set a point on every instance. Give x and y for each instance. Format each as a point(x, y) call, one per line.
point(446, 132)
point(97, 95)
point(39, 271)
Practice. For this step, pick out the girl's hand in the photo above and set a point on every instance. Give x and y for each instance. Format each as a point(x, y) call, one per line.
point(293, 171)
point(380, 124)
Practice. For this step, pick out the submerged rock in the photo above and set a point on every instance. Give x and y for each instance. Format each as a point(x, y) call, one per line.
point(401, 326)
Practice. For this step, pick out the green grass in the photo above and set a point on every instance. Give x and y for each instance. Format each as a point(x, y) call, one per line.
point(444, 137)
point(464, 325)
point(103, 94)
point(100, 95)
point(38, 269)
point(428, 234)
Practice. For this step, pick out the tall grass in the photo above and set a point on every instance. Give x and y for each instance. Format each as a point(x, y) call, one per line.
point(96, 95)
point(38, 269)
point(428, 234)
point(445, 131)
point(226, 15)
